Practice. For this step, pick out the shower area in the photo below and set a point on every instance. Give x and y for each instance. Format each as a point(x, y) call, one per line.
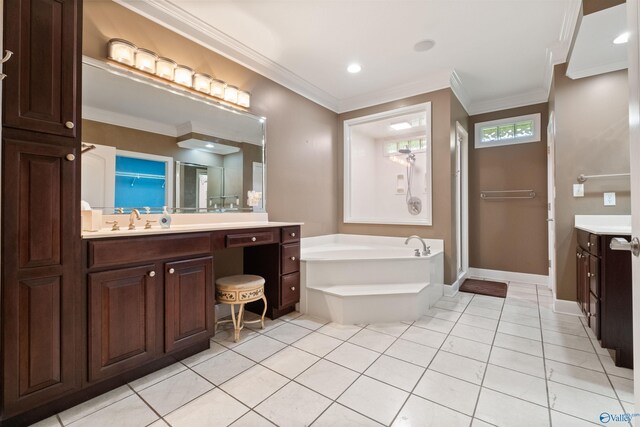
point(388, 167)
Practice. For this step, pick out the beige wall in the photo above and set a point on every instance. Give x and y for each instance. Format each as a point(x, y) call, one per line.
point(509, 235)
point(445, 109)
point(592, 137)
point(301, 135)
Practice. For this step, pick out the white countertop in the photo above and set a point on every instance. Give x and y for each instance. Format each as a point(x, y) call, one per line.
point(604, 224)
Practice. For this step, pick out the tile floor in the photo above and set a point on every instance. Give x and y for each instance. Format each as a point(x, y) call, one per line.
point(472, 361)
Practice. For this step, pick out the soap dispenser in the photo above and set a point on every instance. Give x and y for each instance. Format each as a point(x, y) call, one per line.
point(165, 219)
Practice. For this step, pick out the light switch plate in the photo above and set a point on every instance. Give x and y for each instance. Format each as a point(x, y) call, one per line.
point(609, 199)
point(578, 190)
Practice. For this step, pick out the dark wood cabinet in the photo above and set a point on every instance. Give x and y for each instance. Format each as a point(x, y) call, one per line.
point(122, 323)
point(604, 293)
point(189, 308)
point(42, 87)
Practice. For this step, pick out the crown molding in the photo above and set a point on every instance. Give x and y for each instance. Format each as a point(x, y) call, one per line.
point(520, 100)
point(125, 120)
point(457, 87)
point(598, 69)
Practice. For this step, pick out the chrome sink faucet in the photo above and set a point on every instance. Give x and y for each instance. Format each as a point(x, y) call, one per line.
point(426, 250)
point(135, 214)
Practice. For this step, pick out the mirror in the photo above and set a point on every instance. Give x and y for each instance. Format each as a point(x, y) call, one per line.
point(387, 167)
point(148, 143)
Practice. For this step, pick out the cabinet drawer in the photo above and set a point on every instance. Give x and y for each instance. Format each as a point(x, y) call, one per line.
point(251, 239)
point(112, 252)
point(594, 275)
point(289, 289)
point(290, 234)
point(594, 315)
point(290, 260)
point(593, 245)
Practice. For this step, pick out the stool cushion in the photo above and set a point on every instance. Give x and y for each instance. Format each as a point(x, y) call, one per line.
point(239, 289)
point(240, 282)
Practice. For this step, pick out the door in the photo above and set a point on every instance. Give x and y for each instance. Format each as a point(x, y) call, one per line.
point(633, 21)
point(42, 79)
point(99, 176)
point(551, 200)
point(189, 305)
point(462, 197)
point(123, 331)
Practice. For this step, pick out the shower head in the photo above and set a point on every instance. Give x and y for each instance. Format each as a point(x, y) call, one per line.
point(404, 151)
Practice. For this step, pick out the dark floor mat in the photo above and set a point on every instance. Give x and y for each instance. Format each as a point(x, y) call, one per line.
point(484, 287)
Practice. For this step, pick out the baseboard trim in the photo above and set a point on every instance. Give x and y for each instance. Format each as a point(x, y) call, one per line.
point(509, 276)
point(452, 289)
point(563, 306)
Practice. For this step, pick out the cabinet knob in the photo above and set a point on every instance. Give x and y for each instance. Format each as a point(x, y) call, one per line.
point(69, 125)
point(293, 258)
point(70, 157)
point(152, 273)
point(590, 275)
point(588, 244)
point(293, 288)
point(293, 234)
point(172, 270)
point(253, 239)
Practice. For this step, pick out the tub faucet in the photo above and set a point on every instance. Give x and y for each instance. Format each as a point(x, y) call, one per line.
point(426, 250)
point(135, 214)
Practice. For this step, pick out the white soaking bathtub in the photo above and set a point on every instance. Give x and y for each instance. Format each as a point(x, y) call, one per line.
point(352, 279)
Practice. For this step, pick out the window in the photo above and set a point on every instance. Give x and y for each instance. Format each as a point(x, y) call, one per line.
point(416, 145)
point(512, 130)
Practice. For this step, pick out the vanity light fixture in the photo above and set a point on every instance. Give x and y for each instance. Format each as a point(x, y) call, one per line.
point(621, 39)
point(165, 68)
point(244, 99)
point(146, 60)
point(122, 51)
point(401, 126)
point(183, 75)
point(202, 82)
point(231, 94)
point(217, 88)
point(209, 145)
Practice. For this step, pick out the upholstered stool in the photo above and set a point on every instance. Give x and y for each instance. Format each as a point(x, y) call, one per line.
point(240, 289)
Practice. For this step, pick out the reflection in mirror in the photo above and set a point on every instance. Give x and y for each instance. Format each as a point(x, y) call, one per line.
point(388, 167)
point(159, 145)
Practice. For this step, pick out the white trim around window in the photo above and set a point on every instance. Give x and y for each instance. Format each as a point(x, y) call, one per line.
point(531, 135)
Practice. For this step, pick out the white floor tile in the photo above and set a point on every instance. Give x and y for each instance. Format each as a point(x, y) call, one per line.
point(156, 377)
point(478, 321)
point(290, 316)
point(493, 304)
point(448, 391)
point(522, 287)
point(520, 319)
point(214, 408)
point(564, 327)
point(523, 311)
point(611, 368)
point(523, 345)
point(353, 357)
point(580, 403)
point(214, 350)
point(395, 372)
point(268, 325)
point(624, 388)
point(336, 330)
point(423, 413)
point(516, 384)
point(479, 423)
point(374, 399)
point(293, 405)
point(170, 394)
point(288, 333)
point(435, 324)
point(570, 356)
point(520, 331)
point(483, 312)
point(226, 338)
point(424, 336)
point(503, 410)
point(440, 313)
point(412, 352)
point(453, 306)
point(372, 340)
point(459, 367)
point(222, 367)
point(290, 362)
point(586, 379)
point(328, 378)
point(395, 329)
point(309, 322)
point(473, 333)
point(517, 361)
point(318, 344)
point(338, 415)
point(549, 314)
point(128, 412)
point(259, 348)
point(467, 348)
point(566, 340)
point(252, 419)
point(254, 385)
point(48, 422)
point(95, 404)
point(564, 420)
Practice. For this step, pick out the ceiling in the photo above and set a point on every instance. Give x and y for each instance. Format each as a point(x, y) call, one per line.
point(493, 53)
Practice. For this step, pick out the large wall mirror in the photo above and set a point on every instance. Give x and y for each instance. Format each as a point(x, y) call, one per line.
point(151, 144)
point(387, 167)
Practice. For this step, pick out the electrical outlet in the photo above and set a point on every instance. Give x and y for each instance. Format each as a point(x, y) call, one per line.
point(578, 190)
point(609, 199)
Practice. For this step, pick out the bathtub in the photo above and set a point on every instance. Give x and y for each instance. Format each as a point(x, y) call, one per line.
point(354, 279)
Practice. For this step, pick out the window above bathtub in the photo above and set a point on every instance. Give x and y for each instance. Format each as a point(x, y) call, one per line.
point(512, 130)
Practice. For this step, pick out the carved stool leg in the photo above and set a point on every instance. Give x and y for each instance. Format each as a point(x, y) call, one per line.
point(236, 331)
point(263, 312)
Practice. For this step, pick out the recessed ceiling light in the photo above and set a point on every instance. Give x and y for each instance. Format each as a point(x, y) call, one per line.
point(209, 145)
point(354, 68)
point(621, 39)
point(424, 45)
point(401, 126)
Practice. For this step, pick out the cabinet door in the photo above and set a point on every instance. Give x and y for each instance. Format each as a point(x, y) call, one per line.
point(123, 332)
point(42, 80)
point(40, 283)
point(188, 302)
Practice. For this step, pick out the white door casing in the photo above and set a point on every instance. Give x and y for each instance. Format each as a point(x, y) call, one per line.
point(99, 176)
point(551, 200)
point(462, 201)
